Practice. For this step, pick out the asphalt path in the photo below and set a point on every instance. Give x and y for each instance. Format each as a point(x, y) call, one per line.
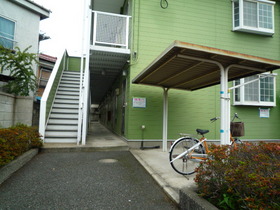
point(83, 180)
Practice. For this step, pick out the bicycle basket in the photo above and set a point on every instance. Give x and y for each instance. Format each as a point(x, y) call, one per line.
point(237, 129)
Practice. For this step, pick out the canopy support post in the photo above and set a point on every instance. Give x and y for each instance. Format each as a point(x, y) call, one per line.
point(225, 101)
point(165, 119)
point(225, 107)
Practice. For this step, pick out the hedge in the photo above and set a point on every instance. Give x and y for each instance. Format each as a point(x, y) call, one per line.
point(246, 177)
point(16, 140)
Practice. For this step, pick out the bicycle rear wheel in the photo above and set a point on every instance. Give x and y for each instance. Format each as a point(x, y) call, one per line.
point(185, 165)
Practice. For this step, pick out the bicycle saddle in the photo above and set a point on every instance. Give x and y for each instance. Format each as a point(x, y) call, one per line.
point(202, 132)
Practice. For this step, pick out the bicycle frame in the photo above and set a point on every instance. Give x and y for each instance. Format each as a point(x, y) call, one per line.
point(194, 156)
point(200, 157)
point(186, 152)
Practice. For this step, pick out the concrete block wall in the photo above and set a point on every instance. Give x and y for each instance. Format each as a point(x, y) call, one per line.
point(15, 109)
point(6, 110)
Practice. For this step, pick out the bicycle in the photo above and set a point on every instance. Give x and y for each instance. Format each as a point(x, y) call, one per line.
point(187, 152)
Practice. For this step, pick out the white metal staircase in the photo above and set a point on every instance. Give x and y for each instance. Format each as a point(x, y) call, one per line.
point(62, 126)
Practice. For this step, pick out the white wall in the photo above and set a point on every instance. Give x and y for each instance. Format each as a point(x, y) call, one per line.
point(27, 24)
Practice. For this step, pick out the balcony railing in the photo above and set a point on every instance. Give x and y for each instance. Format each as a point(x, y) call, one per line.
point(110, 30)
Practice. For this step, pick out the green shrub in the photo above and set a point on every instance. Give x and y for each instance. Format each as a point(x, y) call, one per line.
point(247, 177)
point(16, 140)
point(20, 64)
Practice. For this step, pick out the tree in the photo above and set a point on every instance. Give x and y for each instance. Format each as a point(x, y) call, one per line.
point(19, 63)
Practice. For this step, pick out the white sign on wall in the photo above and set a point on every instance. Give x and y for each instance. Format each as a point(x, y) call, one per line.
point(139, 102)
point(264, 113)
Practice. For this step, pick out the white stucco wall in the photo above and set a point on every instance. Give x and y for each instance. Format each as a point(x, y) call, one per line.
point(27, 24)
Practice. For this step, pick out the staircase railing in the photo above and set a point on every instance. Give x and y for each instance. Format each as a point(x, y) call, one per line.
point(50, 91)
point(81, 101)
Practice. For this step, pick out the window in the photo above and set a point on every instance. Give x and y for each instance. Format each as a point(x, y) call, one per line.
point(7, 33)
point(253, 16)
point(258, 93)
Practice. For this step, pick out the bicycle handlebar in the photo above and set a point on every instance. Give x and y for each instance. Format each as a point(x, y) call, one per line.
point(235, 116)
point(216, 118)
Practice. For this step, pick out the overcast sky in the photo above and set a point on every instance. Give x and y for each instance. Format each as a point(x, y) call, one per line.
point(64, 26)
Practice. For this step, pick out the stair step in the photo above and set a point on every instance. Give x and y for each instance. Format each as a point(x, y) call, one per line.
point(61, 134)
point(70, 85)
point(71, 75)
point(63, 122)
point(60, 140)
point(65, 110)
point(69, 97)
point(72, 72)
point(69, 89)
point(66, 106)
point(62, 128)
point(64, 101)
point(60, 92)
point(70, 79)
point(63, 116)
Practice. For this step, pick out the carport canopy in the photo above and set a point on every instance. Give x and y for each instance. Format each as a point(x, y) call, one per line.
point(191, 67)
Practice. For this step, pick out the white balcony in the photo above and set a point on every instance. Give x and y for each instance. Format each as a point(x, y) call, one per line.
point(110, 32)
point(109, 51)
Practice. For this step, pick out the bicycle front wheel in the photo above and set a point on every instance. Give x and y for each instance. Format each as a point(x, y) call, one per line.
point(186, 164)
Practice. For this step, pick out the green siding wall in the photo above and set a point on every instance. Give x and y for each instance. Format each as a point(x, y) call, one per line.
point(74, 64)
point(200, 22)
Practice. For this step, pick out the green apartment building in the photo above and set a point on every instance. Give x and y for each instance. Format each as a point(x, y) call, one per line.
point(141, 54)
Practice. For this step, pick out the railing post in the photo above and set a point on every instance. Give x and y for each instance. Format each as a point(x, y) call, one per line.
point(86, 77)
point(42, 120)
point(127, 32)
point(94, 27)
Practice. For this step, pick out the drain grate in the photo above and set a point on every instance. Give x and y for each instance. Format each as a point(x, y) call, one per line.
point(108, 161)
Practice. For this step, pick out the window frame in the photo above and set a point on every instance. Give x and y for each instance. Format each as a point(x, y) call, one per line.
point(254, 103)
point(250, 29)
point(14, 35)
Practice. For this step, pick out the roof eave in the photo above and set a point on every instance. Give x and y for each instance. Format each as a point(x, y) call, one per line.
point(34, 7)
